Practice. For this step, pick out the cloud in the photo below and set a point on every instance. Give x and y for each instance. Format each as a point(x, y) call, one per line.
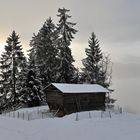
point(127, 71)
point(111, 20)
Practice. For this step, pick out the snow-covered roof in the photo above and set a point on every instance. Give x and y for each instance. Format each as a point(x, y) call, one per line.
point(80, 88)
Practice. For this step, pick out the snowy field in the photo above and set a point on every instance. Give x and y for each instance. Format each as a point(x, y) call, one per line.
point(88, 127)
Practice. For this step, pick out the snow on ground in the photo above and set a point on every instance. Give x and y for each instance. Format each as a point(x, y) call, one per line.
point(45, 107)
point(119, 127)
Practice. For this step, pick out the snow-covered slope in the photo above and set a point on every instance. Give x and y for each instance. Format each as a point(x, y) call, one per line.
point(119, 127)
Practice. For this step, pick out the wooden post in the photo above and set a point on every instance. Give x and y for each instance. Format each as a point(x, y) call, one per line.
point(120, 110)
point(42, 114)
point(18, 115)
point(89, 115)
point(77, 119)
point(101, 114)
point(38, 111)
point(26, 116)
point(109, 114)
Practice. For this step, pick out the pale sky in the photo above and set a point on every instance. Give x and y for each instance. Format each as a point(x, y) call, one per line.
point(116, 24)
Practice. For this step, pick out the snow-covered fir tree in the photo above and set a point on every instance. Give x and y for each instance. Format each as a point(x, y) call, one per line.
point(12, 62)
point(66, 70)
point(5, 73)
point(43, 54)
point(97, 67)
point(91, 63)
point(32, 94)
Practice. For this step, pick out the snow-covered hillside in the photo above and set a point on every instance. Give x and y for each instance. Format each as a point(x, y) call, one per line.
point(118, 127)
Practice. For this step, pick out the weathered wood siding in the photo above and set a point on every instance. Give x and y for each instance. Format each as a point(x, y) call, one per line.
point(54, 98)
point(83, 101)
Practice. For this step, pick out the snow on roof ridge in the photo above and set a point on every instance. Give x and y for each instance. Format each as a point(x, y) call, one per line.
point(80, 88)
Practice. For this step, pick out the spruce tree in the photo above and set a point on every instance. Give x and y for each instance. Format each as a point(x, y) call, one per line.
point(66, 70)
point(97, 66)
point(43, 54)
point(92, 66)
point(5, 73)
point(32, 94)
point(11, 64)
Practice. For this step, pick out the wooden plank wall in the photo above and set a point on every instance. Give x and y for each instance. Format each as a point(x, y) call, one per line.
point(84, 101)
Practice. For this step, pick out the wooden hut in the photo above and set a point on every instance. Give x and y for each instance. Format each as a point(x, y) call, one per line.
point(69, 98)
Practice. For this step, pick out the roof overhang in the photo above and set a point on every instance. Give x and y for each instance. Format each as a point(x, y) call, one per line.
point(79, 88)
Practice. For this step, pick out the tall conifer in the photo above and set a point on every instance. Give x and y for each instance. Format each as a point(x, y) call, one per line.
point(12, 62)
point(97, 67)
point(43, 54)
point(92, 67)
point(66, 70)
